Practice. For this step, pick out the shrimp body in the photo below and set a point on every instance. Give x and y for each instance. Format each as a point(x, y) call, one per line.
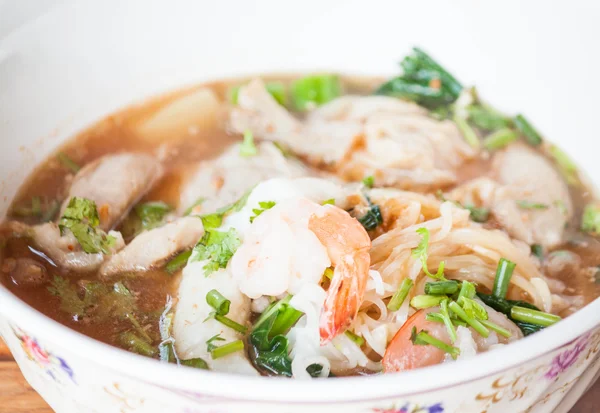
point(347, 245)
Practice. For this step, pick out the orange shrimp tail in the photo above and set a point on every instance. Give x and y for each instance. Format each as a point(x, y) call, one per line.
point(344, 297)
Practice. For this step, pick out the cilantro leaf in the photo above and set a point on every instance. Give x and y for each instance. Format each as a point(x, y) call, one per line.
point(70, 302)
point(248, 148)
point(152, 214)
point(81, 218)
point(420, 252)
point(263, 207)
point(217, 248)
point(473, 308)
point(369, 181)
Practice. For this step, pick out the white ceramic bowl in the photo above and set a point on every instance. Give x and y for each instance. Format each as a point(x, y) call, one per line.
point(66, 64)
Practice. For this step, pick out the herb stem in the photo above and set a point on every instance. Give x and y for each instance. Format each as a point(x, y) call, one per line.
point(476, 324)
point(231, 324)
point(426, 301)
point(400, 296)
point(442, 287)
point(218, 302)
point(504, 273)
point(528, 315)
point(227, 349)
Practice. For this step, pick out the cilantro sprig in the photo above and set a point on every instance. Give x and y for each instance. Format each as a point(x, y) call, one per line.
point(82, 219)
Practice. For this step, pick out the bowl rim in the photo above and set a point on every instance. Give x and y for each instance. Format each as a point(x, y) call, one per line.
point(218, 385)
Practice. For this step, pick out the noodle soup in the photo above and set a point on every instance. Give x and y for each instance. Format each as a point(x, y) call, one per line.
point(307, 226)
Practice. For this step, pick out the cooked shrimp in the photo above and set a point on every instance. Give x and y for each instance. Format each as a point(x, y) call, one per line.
point(347, 245)
point(402, 354)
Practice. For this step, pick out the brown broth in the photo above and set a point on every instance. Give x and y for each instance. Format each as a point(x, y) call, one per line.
point(117, 133)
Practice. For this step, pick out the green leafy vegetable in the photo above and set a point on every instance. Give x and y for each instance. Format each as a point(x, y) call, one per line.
point(423, 338)
point(81, 218)
point(420, 252)
point(152, 214)
point(132, 342)
point(504, 306)
point(524, 204)
point(248, 148)
point(67, 162)
point(590, 220)
point(478, 214)
point(469, 319)
point(472, 308)
point(504, 272)
point(369, 181)
point(70, 302)
point(178, 262)
point(531, 135)
point(263, 207)
point(400, 296)
point(269, 344)
point(372, 218)
point(217, 248)
point(312, 91)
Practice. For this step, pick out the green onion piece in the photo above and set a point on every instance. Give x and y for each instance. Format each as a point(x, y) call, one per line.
point(358, 340)
point(134, 343)
point(467, 131)
point(499, 139)
point(467, 290)
point(426, 301)
point(478, 214)
point(312, 91)
point(495, 327)
point(447, 320)
point(68, 162)
point(476, 324)
point(178, 262)
point(330, 201)
point(442, 287)
point(288, 316)
point(524, 204)
point(504, 273)
point(399, 296)
point(423, 338)
point(565, 164)
point(196, 363)
point(231, 324)
point(218, 302)
point(590, 220)
point(438, 318)
point(248, 148)
point(528, 315)
point(538, 251)
point(369, 181)
point(531, 135)
point(227, 349)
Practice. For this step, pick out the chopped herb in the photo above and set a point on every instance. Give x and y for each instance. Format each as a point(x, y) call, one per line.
point(312, 91)
point(216, 248)
point(478, 214)
point(504, 306)
point(70, 302)
point(538, 251)
point(178, 262)
point(227, 349)
point(445, 315)
point(472, 308)
point(495, 327)
point(81, 218)
point(531, 135)
point(190, 209)
point(263, 207)
point(438, 318)
point(248, 148)
point(528, 315)
point(426, 301)
point(499, 139)
point(442, 287)
point(330, 201)
point(328, 273)
point(372, 218)
point(136, 344)
point(467, 131)
point(486, 118)
point(420, 252)
point(216, 300)
point(531, 205)
point(67, 162)
point(504, 273)
point(358, 340)
point(400, 296)
point(473, 322)
point(369, 181)
point(590, 220)
point(565, 164)
point(210, 346)
point(424, 339)
point(196, 363)
point(152, 214)
point(212, 221)
point(467, 290)
point(230, 323)
point(275, 89)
